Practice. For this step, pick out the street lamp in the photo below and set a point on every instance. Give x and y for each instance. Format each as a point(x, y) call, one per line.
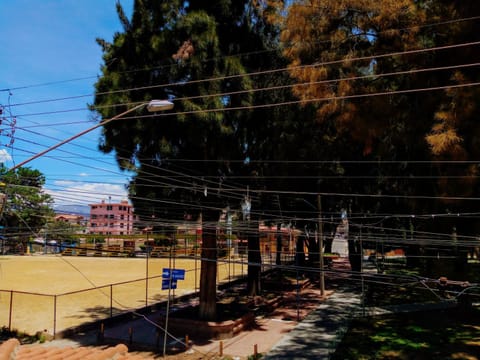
point(152, 106)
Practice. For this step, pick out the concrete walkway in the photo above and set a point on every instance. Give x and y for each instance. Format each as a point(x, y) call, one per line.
point(275, 336)
point(317, 336)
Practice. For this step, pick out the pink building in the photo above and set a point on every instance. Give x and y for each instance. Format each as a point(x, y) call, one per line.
point(111, 218)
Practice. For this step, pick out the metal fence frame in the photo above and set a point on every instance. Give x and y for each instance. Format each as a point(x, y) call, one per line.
point(55, 298)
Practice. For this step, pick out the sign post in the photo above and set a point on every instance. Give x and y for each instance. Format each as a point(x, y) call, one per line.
point(169, 281)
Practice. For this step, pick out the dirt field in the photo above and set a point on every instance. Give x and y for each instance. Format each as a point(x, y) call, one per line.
point(72, 290)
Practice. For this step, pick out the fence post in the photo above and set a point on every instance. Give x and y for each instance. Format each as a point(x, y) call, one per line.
point(111, 300)
point(54, 315)
point(10, 312)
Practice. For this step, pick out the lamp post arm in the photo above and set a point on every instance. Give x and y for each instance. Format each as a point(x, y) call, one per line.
point(76, 136)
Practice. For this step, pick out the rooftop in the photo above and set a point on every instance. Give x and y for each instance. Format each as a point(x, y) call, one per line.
point(12, 349)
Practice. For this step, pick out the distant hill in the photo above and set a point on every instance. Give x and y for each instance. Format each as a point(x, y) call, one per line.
point(72, 209)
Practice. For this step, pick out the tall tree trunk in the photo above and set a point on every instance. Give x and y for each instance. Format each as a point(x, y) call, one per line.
point(278, 253)
point(300, 252)
point(208, 275)
point(354, 253)
point(254, 261)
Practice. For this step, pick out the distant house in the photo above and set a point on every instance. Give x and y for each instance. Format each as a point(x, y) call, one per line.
point(71, 219)
point(111, 218)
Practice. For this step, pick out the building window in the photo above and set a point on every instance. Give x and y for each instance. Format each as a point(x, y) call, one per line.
point(121, 225)
point(109, 207)
point(122, 217)
point(93, 217)
point(112, 216)
point(93, 225)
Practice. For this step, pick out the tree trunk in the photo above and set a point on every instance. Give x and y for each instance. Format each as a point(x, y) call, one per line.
point(300, 252)
point(208, 275)
point(354, 254)
point(254, 262)
point(278, 253)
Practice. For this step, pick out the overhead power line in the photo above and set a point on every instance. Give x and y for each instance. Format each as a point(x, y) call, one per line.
point(265, 72)
point(239, 55)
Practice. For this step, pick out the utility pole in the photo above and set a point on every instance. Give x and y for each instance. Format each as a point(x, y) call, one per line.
point(320, 245)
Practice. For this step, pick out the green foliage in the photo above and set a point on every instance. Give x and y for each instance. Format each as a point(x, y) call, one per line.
point(255, 357)
point(189, 54)
point(62, 231)
point(27, 207)
point(215, 57)
point(6, 333)
point(441, 335)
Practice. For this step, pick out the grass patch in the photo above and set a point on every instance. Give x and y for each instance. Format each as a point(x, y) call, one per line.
point(6, 334)
point(446, 334)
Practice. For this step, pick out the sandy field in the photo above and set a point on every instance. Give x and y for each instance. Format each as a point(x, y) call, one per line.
point(55, 292)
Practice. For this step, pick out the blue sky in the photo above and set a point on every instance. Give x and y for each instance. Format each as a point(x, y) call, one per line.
point(48, 52)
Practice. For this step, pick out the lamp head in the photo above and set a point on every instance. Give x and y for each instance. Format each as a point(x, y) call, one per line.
point(159, 105)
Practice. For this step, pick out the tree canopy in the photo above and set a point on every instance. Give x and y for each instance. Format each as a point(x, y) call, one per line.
point(372, 104)
point(207, 155)
point(384, 76)
point(27, 207)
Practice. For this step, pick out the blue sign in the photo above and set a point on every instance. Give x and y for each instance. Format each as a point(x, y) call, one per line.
point(176, 274)
point(166, 284)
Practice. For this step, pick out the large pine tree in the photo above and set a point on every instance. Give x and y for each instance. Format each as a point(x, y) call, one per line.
point(198, 54)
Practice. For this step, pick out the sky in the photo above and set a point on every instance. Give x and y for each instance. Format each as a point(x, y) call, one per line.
point(49, 62)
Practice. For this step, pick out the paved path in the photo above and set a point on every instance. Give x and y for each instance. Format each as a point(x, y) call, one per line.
point(279, 336)
point(317, 336)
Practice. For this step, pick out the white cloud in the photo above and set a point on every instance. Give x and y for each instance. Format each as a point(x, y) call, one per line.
point(79, 193)
point(4, 156)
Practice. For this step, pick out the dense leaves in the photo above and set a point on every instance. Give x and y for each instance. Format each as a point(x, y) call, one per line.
point(371, 103)
point(189, 163)
point(401, 112)
point(27, 208)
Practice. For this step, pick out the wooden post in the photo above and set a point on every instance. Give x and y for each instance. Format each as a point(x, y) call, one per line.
point(101, 334)
point(255, 351)
point(54, 315)
point(130, 335)
point(320, 240)
point(220, 350)
point(111, 300)
point(187, 342)
point(10, 311)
